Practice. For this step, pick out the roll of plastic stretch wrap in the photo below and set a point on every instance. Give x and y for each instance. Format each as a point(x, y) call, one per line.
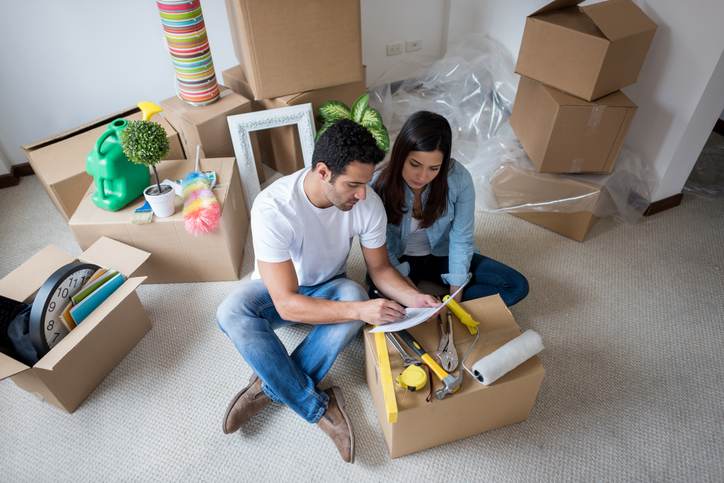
point(506, 358)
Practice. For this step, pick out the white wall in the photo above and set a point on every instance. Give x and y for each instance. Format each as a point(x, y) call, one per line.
point(66, 63)
point(389, 21)
point(679, 94)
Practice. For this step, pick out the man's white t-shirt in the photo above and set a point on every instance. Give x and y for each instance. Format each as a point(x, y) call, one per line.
point(285, 225)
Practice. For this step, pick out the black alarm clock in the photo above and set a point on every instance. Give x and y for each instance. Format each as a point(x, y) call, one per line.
point(46, 325)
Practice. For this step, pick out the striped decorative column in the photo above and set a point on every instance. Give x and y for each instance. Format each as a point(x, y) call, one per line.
point(185, 31)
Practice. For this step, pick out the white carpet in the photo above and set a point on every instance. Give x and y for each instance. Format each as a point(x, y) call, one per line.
point(634, 388)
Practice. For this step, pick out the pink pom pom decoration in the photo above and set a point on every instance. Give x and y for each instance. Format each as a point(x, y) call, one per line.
point(202, 211)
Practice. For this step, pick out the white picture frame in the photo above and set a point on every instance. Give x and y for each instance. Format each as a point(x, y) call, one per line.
point(242, 125)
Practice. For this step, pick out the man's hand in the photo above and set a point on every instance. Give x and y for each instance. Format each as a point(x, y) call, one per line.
point(424, 300)
point(380, 311)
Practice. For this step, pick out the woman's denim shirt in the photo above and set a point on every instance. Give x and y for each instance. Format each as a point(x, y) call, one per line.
point(451, 235)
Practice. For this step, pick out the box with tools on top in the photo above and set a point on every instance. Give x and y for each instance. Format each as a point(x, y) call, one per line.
point(176, 255)
point(424, 421)
point(75, 351)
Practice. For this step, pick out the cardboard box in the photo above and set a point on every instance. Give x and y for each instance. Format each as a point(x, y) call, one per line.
point(561, 204)
point(208, 126)
point(286, 151)
point(176, 255)
point(67, 374)
point(59, 161)
point(586, 51)
point(564, 134)
point(474, 408)
point(287, 46)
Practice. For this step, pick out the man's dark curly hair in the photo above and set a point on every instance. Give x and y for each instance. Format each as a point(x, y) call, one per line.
point(343, 142)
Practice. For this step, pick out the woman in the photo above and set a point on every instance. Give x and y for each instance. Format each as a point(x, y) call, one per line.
point(430, 204)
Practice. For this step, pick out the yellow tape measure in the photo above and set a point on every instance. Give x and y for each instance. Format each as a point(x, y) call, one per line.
point(413, 378)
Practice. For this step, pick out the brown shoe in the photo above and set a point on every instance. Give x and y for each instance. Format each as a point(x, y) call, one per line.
point(336, 424)
point(247, 403)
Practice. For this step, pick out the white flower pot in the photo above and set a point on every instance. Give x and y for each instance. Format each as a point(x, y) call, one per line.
point(163, 204)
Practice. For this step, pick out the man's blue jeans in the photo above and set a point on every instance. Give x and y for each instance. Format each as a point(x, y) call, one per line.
point(248, 317)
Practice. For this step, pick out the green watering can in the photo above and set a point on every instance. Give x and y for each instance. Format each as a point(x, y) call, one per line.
point(118, 180)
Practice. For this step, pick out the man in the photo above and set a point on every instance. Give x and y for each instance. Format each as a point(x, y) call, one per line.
point(302, 228)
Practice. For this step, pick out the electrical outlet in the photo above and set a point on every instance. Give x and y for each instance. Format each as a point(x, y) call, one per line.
point(413, 45)
point(395, 49)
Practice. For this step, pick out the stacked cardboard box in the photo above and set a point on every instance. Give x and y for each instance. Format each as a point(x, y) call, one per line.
point(569, 113)
point(292, 53)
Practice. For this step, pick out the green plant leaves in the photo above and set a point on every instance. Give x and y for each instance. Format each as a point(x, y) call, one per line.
point(361, 113)
point(382, 138)
point(371, 118)
point(333, 111)
point(359, 106)
point(144, 142)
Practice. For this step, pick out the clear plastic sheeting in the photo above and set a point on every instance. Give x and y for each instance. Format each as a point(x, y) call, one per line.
point(474, 87)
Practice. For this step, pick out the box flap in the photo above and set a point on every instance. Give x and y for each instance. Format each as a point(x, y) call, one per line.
point(556, 5)
point(75, 131)
point(617, 99)
point(22, 282)
point(110, 253)
point(618, 18)
point(9, 366)
point(51, 359)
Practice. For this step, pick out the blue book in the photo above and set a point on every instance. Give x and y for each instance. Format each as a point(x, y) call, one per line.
point(92, 301)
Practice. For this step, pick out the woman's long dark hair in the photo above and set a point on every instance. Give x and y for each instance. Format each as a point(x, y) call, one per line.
point(423, 131)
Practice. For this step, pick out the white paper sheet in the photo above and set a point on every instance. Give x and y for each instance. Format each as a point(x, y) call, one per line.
point(415, 316)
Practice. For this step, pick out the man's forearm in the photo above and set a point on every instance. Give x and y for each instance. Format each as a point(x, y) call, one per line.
point(310, 310)
point(393, 285)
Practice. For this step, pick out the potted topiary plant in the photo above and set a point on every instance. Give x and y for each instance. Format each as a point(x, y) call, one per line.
point(145, 142)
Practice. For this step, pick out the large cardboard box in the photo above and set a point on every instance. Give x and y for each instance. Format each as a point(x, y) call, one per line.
point(176, 255)
point(474, 408)
point(586, 51)
point(288, 46)
point(69, 372)
point(207, 125)
point(562, 204)
point(286, 151)
point(564, 134)
point(59, 161)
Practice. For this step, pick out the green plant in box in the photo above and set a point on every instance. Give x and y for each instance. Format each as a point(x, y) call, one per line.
point(361, 113)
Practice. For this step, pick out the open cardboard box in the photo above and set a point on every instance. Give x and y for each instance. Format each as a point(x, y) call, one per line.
point(586, 51)
point(60, 161)
point(288, 46)
point(176, 255)
point(563, 204)
point(69, 372)
point(564, 134)
point(285, 154)
point(472, 409)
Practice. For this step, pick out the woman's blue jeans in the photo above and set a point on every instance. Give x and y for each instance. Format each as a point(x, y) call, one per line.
point(489, 277)
point(248, 317)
